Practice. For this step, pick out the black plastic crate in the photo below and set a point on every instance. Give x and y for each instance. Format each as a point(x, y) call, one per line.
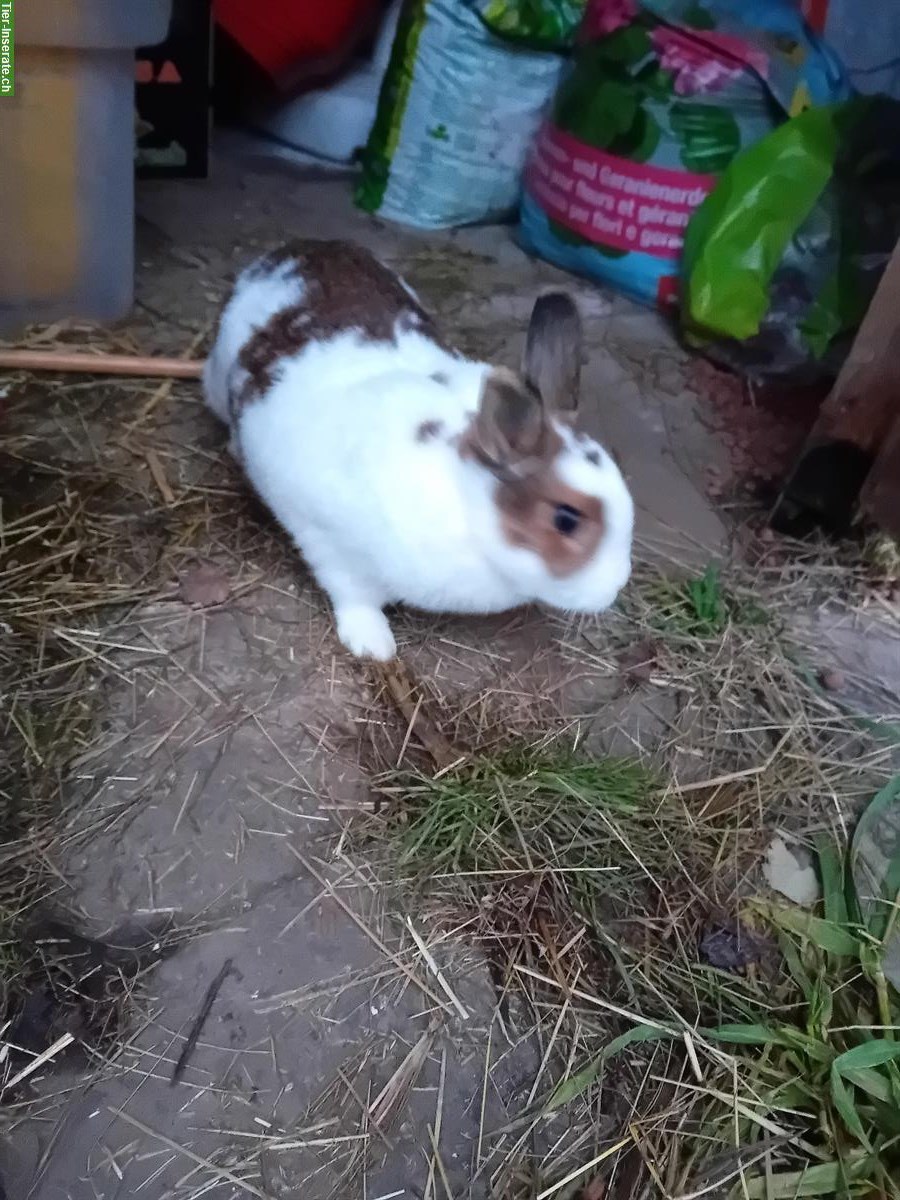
point(173, 97)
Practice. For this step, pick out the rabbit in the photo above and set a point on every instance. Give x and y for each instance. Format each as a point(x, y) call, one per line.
point(404, 471)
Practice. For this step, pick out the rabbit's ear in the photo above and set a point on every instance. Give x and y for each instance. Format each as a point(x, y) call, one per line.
point(552, 360)
point(511, 427)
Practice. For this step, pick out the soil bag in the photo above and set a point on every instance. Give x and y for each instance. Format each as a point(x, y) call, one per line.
point(782, 259)
point(660, 97)
point(549, 24)
point(459, 107)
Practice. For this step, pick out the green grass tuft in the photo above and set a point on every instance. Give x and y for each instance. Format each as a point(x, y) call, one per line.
point(478, 818)
point(702, 607)
point(593, 828)
point(818, 1066)
point(799, 1069)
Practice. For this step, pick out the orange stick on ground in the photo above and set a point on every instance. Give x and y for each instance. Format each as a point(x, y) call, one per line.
point(100, 364)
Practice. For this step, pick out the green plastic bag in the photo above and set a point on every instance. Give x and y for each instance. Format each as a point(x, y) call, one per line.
point(739, 234)
point(782, 258)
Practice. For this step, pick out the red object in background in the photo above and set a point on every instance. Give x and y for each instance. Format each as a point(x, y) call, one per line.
point(280, 34)
point(668, 292)
point(815, 13)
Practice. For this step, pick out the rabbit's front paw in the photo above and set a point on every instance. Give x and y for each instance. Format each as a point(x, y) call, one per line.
point(366, 633)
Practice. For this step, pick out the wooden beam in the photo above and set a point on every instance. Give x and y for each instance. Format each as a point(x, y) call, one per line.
point(855, 427)
point(880, 498)
point(100, 364)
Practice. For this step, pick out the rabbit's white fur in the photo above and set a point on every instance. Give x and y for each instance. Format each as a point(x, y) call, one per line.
point(382, 512)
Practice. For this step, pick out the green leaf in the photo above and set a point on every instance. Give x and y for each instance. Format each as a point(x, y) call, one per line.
point(545, 24)
point(887, 1118)
point(821, 1005)
point(628, 45)
point(843, 1102)
point(869, 1054)
point(878, 915)
point(709, 135)
point(746, 1035)
point(824, 1179)
point(697, 17)
point(658, 83)
point(792, 1095)
point(795, 967)
point(572, 1087)
point(707, 598)
point(831, 867)
point(640, 141)
point(825, 934)
point(578, 1083)
point(600, 115)
point(771, 1035)
point(812, 1047)
point(870, 1082)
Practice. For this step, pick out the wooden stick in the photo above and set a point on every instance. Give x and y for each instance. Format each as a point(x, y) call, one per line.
point(402, 689)
point(100, 364)
point(197, 1028)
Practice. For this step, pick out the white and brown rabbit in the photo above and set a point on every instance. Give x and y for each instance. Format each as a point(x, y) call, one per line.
point(404, 471)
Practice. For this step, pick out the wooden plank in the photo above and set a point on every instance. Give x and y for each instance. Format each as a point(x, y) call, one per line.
point(854, 426)
point(880, 498)
point(865, 400)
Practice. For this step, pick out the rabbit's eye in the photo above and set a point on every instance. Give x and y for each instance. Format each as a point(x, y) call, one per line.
point(566, 519)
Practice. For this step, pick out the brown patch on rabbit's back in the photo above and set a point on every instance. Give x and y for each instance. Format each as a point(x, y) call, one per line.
point(345, 288)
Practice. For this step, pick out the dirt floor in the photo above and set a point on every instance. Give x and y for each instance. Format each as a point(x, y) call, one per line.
point(235, 737)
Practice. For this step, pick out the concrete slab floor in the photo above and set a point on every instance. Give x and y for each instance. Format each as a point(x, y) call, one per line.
point(229, 827)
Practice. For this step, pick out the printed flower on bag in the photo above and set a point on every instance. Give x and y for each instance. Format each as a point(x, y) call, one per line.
point(606, 16)
point(693, 64)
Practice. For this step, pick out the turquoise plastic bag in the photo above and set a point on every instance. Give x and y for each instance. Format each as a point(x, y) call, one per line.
point(659, 99)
